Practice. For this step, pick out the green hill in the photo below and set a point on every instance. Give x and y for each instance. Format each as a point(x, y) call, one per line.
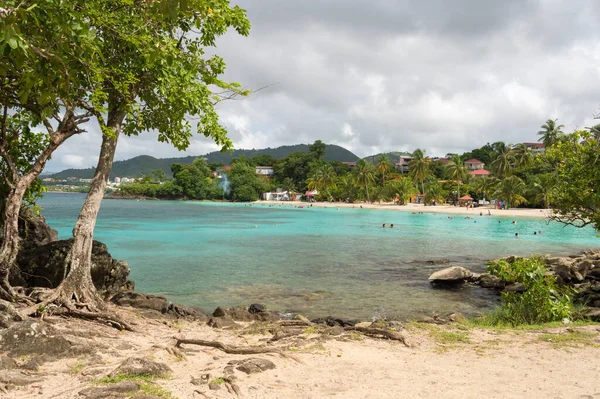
point(393, 156)
point(145, 164)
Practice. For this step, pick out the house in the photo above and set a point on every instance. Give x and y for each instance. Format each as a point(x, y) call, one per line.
point(349, 165)
point(264, 170)
point(443, 161)
point(536, 148)
point(403, 164)
point(474, 164)
point(479, 173)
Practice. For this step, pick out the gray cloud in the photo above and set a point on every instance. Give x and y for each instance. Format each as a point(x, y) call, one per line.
point(387, 75)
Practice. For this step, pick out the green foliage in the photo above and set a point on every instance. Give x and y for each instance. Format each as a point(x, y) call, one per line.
point(542, 300)
point(420, 167)
point(551, 133)
point(246, 185)
point(575, 196)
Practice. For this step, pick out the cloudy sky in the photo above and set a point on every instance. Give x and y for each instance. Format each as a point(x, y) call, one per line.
point(390, 75)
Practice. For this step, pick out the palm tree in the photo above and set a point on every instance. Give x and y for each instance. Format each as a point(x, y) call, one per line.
point(540, 187)
point(595, 131)
point(404, 189)
point(486, 186)
point(435, 192)
point(419, 167)
point(366, 175)
point(323, 178)
point(511, 190)
point(551, 133)
point(501, 166)
point(347, 185)
point(384, 166)
point(288, 185)
point(458, 171)
point(522, 155)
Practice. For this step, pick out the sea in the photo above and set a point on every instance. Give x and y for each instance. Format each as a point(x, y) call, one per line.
point(317, 261)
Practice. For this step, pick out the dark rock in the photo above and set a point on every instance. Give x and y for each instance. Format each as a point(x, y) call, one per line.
point(592, 314)
point(220, 312)
point(188, 312)
point(34, 230)
point(451, 276)
point(112, 390)
point(214, 386)
point(329, 321)
point(143, 366)
point(267, 316)
point(487, 280)
point(44, 266)
point(255, 365)
point(39, 338)
point(8, 314)
point(240, 313)
point(257, 308)
point(18, 378)
point(223, 323)
point(514, 287)
point(142, 301)
point(7, 363)
point(437, 261)
point(336, 331)
point(34, 363)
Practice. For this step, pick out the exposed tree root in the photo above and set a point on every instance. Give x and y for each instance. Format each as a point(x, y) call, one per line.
point(375, 332)
point(104, 318)
point(233, 350)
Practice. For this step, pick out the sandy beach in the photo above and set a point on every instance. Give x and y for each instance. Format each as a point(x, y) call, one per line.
point(447, 209)
point(449, 361)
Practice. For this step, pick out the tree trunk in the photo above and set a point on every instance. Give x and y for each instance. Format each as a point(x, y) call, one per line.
point(367, 190)
point(11, 239)
point(458, 193)
point(77, 285)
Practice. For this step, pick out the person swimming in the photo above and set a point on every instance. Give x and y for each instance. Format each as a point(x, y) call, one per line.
point(392, 226)
point(384, 225)
point(516, 235)
point(535, 233)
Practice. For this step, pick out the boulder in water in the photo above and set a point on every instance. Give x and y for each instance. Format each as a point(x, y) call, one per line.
point(453, 275)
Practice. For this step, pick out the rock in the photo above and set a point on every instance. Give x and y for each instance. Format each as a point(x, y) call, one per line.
point(336, 331)
point(329, 321)
point(255, 365)
point(437, 261)
point(240, 313)
point(451, 275)
point(214, 386)
point(8, 314)
point(257, 308)
point(112, 390)
point(142, 301)
point(187, 312)
point(220, 312)
point(514, 287)
point(363, 324)
point(591, 314)
point(224, 323)
point(203, 380)
point(39, 338)
point(43, 266)
point(34, 231)
point(142, 366)
point(488, 280)
point(456, 317)
point(7, 363)
point(18, 378)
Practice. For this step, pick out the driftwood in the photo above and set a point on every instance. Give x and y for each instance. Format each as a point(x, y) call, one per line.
point(393, 335)
point(233, 350)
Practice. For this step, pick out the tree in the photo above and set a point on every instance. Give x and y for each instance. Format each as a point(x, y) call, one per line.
point(317, 149)
point(595, 131)
point(246, 185)
point(503, 162)
point(323, 178)
point(522, 155)
point(540, 188)
point(288, 185)
point(575, 196)
point(419, 167)
point(194, 179)
point(155, 76)
point(551, 133)
point(511, 190)
point(365, 176)
point(403, 188)
point(458, 171)
point(384, 166)
point(486, 186)
point(41, 76)
point(435, 192)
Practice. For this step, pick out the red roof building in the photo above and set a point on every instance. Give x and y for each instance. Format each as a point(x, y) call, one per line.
point(479, 172)
point(474, 164)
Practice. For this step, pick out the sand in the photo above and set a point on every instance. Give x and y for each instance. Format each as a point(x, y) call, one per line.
point(447, 209)
point(491, 364)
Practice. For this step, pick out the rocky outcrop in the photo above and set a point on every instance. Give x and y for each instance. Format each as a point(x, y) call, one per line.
point(254, 312)
point(142, 366)
point(454, 275)
point(44, 266)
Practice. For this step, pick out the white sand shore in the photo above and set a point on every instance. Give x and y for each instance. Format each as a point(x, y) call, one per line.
point(447, 209)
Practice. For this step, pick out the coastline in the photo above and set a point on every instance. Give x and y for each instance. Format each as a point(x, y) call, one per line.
point(445, 209)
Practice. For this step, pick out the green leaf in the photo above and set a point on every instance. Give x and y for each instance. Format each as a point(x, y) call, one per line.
point(13, 43)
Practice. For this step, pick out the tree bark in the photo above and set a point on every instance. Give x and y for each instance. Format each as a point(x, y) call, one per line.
point(77, 286)
point(11, 240)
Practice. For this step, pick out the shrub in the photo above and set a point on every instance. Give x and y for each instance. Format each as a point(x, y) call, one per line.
point(542, 301)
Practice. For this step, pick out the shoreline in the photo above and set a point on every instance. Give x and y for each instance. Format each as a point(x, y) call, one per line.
point(415, 208)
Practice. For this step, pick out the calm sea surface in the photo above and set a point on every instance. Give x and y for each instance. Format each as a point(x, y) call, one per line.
point(315, 261)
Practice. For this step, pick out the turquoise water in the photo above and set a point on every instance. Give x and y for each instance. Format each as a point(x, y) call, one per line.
point(315, 261)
